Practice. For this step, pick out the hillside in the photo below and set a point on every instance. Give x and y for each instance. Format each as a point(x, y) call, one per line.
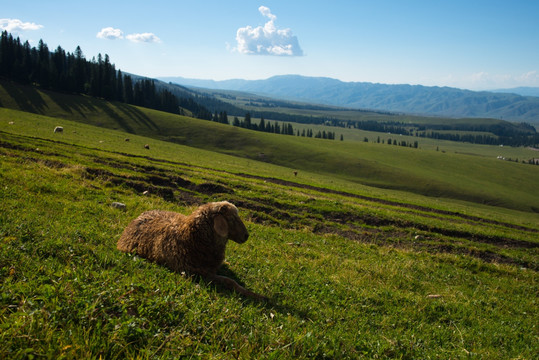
point(364, 248)
point(415, 99)
point(350, 271)
point(465, 177)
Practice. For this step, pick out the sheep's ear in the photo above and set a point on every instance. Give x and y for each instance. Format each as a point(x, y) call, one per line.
point(222, 207)
point(220, 225)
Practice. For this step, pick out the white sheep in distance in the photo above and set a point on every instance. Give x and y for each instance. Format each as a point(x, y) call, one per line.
point(193, 244)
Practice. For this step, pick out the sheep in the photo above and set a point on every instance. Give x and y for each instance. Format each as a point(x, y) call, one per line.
point(194, 244)
point(147, 146)
point(58, 129)
point(118, 205)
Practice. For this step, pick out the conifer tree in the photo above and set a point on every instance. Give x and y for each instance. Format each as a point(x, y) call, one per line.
point(247, 120)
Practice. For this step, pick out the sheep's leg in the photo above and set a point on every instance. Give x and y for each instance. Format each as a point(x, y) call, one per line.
point(232, 285)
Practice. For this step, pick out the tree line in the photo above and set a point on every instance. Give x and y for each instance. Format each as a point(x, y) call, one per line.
point(269, 127)
point(63, 71)
point(485, 139)
point(506, 133)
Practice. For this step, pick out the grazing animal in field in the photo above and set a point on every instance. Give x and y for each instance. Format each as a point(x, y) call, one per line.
point(58, 129)
point(118, 205)
point(194, 244)
point(147, 146)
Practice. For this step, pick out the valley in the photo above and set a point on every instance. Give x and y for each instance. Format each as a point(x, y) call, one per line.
point(364, 249)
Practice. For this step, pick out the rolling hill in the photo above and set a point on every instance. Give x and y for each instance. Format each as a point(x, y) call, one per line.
point(415, 99)
point(369, 251)
point(363, 249)
point(455, 175)
point(350, 271)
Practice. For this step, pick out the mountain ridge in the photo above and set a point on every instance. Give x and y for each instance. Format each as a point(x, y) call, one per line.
point(521, 90)
point(405, 98)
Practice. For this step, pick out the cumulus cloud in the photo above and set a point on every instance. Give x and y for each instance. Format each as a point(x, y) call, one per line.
point(265, 11)
point(16, 25)
point(485, 80)
point(144, 37)
point(110, 33)
point(267, 39)
point(531, 77)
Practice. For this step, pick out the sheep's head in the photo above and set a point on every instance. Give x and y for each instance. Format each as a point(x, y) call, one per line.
point(227, 222)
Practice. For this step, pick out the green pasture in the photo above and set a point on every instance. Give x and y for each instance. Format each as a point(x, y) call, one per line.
point(349, 273)
point(442, 169)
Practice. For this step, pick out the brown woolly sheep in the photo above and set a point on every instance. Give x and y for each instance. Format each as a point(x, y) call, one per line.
point(194, 244)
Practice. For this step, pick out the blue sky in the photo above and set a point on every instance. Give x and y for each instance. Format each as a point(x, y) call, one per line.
point(472, 44)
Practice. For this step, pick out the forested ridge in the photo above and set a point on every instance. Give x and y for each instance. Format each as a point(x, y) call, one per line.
point(63, 71)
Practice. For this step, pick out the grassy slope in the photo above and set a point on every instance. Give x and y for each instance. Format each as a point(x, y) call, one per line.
point(256, 104)
point(348, 274)
point(431, 173)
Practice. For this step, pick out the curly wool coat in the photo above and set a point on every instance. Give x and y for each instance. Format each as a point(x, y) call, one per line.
point(193, 244)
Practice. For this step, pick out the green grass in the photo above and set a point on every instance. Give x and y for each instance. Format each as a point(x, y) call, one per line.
point(351, 271)
point(459, 171)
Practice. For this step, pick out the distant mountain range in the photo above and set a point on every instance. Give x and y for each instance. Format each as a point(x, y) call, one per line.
point(523, 90)
point(505, 104)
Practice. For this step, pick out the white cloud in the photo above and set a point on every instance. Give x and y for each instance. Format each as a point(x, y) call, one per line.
point(265, 11)
point(484, 80)
point(267, 39)
point(110, 33)
point(16, 25)
point(144, 37)
point(531, 77)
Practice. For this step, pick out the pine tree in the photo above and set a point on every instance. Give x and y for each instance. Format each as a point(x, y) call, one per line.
point(120, 87)
point(128, 90)
point(290, 129)
point(78, 71)
point(247, 120)
point(268, 127)
point(44, 61)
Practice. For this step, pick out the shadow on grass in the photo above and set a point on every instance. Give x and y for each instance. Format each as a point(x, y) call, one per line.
point(78, 107)
point(137, 115)
point(271, 303)
point(27, 98)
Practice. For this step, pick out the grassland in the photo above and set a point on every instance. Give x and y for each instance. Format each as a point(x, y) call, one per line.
point(458, 171)
point(351, 271)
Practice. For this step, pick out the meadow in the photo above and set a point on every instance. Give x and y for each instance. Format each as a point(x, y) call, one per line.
point(458, 171)
point(350, 270)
